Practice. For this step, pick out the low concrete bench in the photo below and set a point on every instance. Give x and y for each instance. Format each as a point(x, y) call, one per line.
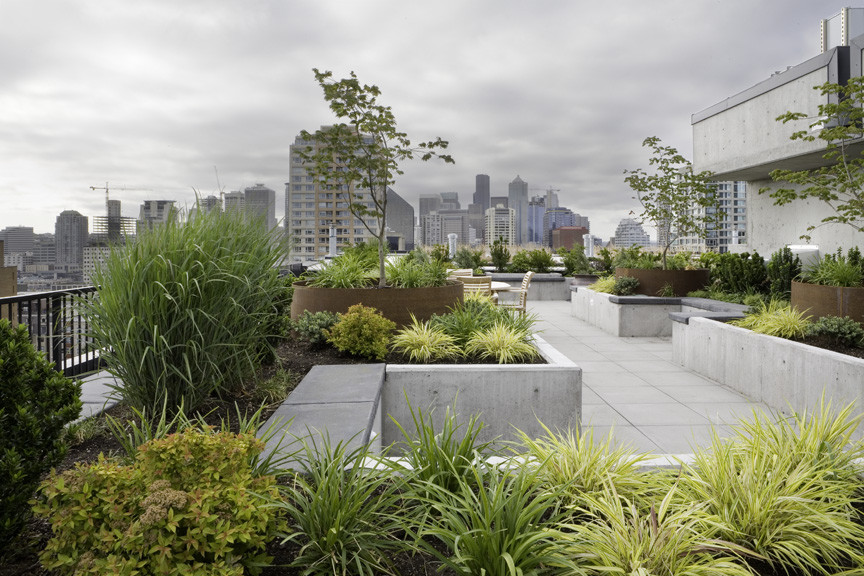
point(339, 401)
point(706, 308)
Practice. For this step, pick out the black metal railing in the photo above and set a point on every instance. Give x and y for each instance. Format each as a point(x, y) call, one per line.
point(56, 326)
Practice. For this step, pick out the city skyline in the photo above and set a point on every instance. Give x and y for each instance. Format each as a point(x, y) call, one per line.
point(160, 100)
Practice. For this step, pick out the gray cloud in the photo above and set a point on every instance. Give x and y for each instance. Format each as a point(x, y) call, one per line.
point(151, 95)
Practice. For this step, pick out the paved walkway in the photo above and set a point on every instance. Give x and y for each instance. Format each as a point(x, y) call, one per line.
point(631, 386)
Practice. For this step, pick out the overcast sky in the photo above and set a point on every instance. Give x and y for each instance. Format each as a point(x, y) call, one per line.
point(151, 95)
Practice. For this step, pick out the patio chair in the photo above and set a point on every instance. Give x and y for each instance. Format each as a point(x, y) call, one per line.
point(476, 284)
point(521, 301)
point(459, 272)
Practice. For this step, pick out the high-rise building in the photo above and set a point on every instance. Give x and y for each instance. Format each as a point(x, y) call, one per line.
point(17, 239)
point(726, 228)
point(430, 225)
point(400, 218)
point(481, 191)
point(112, 228)
point(477, 222)
point(260, 202)
point(495, 201)
point(429, 203)
point(536, 210)
point(630, 233)
point(44, 249)
point(517, 195)
point(551, 199)
point(555, 218)
point(501, 224)
point(8, 282)
point(70, 236)
point(568, 237)
point(155, 212)
point(312, 208)
point(450, 201)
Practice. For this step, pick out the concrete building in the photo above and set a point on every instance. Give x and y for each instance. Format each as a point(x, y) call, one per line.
point(155, 212)
point(400, 218)
point(234, 201)
point(481, 191)
point(44, 249)
point(429, 203)
point(260, 202)
point(17, 239)
point(630, 233)
point(739, 140)
point(517, 196)
point(501, 223)
point(70, 235)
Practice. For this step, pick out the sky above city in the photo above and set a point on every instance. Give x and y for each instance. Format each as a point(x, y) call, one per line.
point(160, 99)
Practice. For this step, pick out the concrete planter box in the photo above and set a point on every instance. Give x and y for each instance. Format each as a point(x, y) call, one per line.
point(624, 315)
point(547, 286)
point(397, 304)
point(505, 396)
point(822, 301)
point(783, 374)
point(652, 282)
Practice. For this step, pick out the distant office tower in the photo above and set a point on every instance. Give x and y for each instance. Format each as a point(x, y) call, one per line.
point(481, 191)
point(44, 249)
point(260, 202)
point(583, 221)
point(234, 201)
point(517, 194)
point(400, 218)
point(155, 212)
point(476, 222)
point(312, 208)
point(630, 233)
point(536, 210)
point(501, 223)
point(17, 239)
point(209, 204)
point(429, 203)
point(568, 237)
point(551, 199)
point(450, 201)
point(430, 225)
point(455, 222)
point(70, 235)
point(495, 201)
point(112, 228)
point(555, 218)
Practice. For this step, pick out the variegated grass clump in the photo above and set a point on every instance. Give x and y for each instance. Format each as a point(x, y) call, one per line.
point(776, 319)
point(421, 342)
point(504, 343)
point(788, 490)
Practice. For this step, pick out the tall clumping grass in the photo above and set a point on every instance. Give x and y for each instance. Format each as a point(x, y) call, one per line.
point(188, 310)
point(422, 342)
point(787, 490)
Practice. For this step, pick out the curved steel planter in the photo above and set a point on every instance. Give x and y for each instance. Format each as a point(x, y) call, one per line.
point(652, 282)
point(819, 300)
point(397, 304)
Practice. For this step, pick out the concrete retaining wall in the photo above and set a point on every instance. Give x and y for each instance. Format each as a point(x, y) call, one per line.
point(505, 397)
point(549, 286)
point(783, 374)
point(624, 315)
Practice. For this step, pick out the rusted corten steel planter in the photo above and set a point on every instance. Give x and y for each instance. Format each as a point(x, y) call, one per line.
point(652, 282)
point(818, 300)
point(397, 304)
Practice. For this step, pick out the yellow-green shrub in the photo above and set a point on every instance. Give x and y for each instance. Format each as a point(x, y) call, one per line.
point(185, 507)
point(362, 331)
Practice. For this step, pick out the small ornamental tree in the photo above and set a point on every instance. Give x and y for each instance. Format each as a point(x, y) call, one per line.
point(674, 195)
point(359, 158)
point(840, 184)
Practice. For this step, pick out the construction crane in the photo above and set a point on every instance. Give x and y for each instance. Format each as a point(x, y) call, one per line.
point(106, 192)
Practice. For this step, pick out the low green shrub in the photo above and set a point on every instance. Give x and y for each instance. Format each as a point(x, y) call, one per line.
point(539, 261)
point(843, 331)
point(575, 261)
point(777, 318)
point(362, 331)
point(625, 285)
point(411, 273)
point(36, 402)
point(185, 507)
point(739, 273)
point(313, 326)
point(468, 258)
point(340, 513)
point(422, 342)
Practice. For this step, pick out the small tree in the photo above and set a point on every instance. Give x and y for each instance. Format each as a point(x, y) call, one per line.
point(499, 255)
point(360, 158)
point(674, 195)
point(840, 184)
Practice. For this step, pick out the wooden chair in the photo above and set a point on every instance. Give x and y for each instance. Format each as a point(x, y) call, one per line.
point(459, 272)
point(519, 303)
point(476, 284)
